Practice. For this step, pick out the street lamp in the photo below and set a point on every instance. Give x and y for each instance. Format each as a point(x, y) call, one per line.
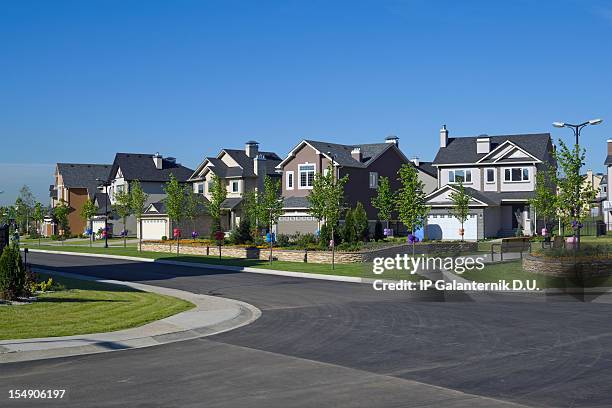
point(270, 231)
point(576, 129)
point(105, 184)
point(333, 241)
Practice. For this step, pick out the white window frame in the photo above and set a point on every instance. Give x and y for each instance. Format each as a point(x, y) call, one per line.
point(306, 187)
point(289, 180)
point(486, 175)
point(452, 172)
point(373, 180)
point(235, 183)
point(522, 180)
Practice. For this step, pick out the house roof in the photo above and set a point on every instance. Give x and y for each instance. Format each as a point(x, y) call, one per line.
point(463, 149)
point(99, 200)
point(138, 166)
point(76, 175)
point(245, 166)
point(427, 167)
point(608, 161)
point(231, 203)
point(296, 202)
point(342, 153)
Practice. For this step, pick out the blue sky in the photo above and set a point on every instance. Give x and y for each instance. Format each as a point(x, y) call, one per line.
point(82, 80)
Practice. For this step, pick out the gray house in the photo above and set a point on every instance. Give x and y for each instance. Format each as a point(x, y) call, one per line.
point(499, 173)
point(152, 171)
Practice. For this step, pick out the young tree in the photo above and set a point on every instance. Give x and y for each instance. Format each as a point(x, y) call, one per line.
point(410, 199)
point(384, 201)
point(175, 204)
point(574, 196)
point(251, 211)
point(38, 215)
point(138, 205)
point(349, 235)
point(326, 201)
point(545, 198)
point(60, 213)
point(123, 209)
point(272, 204)
point(194, 207)
point(218, 195)
point(88, 211)
point(27, 201)
point(360, 217)
point(461, 205)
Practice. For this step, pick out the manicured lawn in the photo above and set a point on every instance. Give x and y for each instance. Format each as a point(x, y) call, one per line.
point(356, 270)
point(85, 307)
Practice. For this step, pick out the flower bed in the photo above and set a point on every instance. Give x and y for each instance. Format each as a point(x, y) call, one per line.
point(569, 267)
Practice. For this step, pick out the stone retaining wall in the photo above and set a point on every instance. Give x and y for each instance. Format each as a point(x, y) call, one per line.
point(292, 255)
point(567, 267)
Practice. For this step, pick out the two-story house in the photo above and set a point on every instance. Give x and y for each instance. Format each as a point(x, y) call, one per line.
point(363, 163)
point(607, 202)
point(499, 173)
point(74, 184)
point(153, 172)
point(240, 171)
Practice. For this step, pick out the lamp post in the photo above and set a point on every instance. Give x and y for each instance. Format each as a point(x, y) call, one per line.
point(576, 129)
point(333, 241)
point(104, 184)
point(270, 220)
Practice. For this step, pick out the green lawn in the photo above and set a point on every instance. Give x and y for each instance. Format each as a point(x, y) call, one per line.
point(85, 307)
point(356, 270)
point(514, 270)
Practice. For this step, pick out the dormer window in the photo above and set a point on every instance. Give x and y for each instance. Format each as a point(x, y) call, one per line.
point(463, 176)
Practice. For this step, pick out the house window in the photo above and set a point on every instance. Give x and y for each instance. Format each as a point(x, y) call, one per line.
point(289, 180)
point(235, 186)
point(209, 186)
point(516, 174)
point(373, 180)
point(307, 172)
point(490, 175)
point(456, 176)
point(199, 188)
point(120, 188)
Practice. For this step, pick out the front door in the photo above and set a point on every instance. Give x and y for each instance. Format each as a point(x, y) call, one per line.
point(517, 210)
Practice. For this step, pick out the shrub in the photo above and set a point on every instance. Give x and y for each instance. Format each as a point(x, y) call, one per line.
point(360, 218)
point(379, 233)
point(12, 273)
point(55, 237)
point(349, 233)
point(283, 240)
point(164, 238)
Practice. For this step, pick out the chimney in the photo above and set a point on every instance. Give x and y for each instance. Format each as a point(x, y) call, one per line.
point(415, 160)
point(158, 160)
point(609, 147)
point(443, 136)
point(356, 153)
point(589, 176)
point(251, 148)
point(259, 163)
point(483, 144)
point(392, 139)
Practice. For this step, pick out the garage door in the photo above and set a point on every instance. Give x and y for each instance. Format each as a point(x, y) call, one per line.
point(154, 228)
point(303, 224)
point(444, 226)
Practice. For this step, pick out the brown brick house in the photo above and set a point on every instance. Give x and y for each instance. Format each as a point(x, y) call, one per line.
point(74, 184)
point(363, 163)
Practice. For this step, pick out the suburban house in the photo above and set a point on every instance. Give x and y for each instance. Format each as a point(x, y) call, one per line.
point(499, 173)
point(607, 203)
point(153, 172)
point(74, 184)
point(240, 171)
point(363, 163)
point(598, 181)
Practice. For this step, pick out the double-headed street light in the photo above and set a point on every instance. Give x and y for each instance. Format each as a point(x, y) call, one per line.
point(576, 129)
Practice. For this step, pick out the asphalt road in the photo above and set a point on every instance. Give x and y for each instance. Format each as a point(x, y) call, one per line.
point(332, 344)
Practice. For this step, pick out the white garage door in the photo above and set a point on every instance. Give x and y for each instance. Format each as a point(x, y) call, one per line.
point(444, 226)
point(154, 228)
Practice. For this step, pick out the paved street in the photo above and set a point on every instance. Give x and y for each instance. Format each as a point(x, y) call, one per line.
point(322, 343)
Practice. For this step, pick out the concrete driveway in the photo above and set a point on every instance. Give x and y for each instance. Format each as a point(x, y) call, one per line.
point(338, 344)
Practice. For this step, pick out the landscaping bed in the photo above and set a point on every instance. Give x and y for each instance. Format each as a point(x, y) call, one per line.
point(83, 307)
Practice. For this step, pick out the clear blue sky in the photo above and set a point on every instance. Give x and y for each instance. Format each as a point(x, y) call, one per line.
point(81, 80)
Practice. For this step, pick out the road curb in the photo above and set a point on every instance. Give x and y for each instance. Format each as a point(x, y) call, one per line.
point(212, 315)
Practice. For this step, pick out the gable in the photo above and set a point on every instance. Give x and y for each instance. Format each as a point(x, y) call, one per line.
point(228, 160)
point(442, 197)
point(508, 152)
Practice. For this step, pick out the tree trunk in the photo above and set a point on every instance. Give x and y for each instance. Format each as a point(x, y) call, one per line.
point(140, 235)
point(91, 234)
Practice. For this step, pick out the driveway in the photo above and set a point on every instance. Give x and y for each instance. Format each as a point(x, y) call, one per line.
point(321, 343)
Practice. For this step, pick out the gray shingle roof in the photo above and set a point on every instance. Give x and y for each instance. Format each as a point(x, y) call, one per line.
point(99, 200)
point(230, 203)
point(493, 198)
point(427, 167)
point(136, 166)
point(608, 161)
point(463, 149)
point(246, 162)
point(75, 175)
point(369, 152)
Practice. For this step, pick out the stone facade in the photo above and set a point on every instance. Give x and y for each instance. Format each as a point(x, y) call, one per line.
point(325, 257)
point(567, 267)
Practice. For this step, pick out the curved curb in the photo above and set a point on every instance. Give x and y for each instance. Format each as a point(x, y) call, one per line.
point(212, 315)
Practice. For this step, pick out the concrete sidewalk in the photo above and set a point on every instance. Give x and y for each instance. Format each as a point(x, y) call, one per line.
point(211, 315)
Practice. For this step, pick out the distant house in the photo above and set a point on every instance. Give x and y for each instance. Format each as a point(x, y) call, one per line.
point(597, 181)
point(240, 171)
point(363, 163)
point(74, 184)
point(607, 200)
point(499, 173)
point(153, 172)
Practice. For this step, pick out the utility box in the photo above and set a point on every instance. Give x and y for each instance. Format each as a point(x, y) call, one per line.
point(600, 228)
